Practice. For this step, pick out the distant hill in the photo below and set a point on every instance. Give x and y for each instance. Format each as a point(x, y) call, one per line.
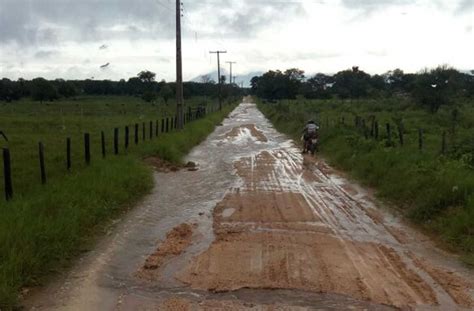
point(239, 78)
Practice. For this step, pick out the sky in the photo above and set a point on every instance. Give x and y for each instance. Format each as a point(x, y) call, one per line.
point(72, 39)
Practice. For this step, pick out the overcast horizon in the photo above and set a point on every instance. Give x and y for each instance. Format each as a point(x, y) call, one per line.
point(73, 39)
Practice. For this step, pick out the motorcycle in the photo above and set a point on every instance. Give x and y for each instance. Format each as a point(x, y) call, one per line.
point(312, 144)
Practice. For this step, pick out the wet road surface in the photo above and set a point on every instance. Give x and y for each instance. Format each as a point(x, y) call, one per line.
point(265, 229)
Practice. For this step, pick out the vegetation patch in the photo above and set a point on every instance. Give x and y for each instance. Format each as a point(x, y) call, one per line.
point(45, 226)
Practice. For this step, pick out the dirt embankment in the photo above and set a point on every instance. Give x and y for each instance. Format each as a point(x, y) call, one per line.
point(177, 240)
point(164, 166)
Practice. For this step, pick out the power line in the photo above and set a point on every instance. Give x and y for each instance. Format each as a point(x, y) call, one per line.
point(164, 6)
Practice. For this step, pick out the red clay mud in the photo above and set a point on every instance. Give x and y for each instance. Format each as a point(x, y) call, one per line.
point(164, 166)
point(290, 226)
point(454, 285)
point(177, 240)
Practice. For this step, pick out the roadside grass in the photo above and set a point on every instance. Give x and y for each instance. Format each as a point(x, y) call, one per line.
point(44, 227)
point(26, 123)
point(434, 190)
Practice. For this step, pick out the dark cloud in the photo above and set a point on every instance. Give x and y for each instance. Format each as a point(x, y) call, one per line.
point(32, 22)
point(43, 22)
point(248, 21)
point(465, 6)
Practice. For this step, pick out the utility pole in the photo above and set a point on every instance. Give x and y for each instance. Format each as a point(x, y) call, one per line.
point(179, 70)
point(230, 76)
point(219, 74)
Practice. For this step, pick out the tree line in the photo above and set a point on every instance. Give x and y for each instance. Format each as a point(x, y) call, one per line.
point(143, 85)
point(430, 88)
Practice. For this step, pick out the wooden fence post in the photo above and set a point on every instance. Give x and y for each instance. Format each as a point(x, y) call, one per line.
point(167, 124)
point(143, 131)
point(136, 133)
point(151, 129)
point(102, 143)
point(87, 148)
point(162, 125)
point(420, 139)
point(127, 135)
point(41, 163)
point(68, 154)
point(7, 174)
point(443, 143)
point(116, 141)
point(389, 134)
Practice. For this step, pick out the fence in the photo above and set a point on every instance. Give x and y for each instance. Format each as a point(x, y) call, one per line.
point(152, 128)
point(373, 131)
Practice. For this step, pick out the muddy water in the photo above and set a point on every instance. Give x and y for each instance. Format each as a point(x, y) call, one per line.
point(272, 231)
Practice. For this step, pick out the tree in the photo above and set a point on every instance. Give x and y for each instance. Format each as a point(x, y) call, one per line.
point(9, 90)
point(318, 86)
point(42, 89)
point(274, 85)
point(166, 92)
point(135, 86)
point(67, 89)
point(435, 88)
point(294, 78)
point(147, 76)
point(352, 83)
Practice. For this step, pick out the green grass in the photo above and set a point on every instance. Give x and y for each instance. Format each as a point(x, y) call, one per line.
point(436, 191)
point(43, 227)
point(26, 123)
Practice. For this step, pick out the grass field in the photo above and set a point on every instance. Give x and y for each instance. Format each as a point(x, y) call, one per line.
point(432, 189)
point(27, 123)
point(44, 226)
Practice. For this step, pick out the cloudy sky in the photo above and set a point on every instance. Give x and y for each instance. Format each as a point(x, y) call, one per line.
point(71, 39)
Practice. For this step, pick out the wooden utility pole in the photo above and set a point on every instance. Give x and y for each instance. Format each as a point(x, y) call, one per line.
point(230, 72)
point(219, 75)
point(179, 70)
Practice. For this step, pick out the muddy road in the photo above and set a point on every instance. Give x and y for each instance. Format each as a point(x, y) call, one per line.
point(259, 227)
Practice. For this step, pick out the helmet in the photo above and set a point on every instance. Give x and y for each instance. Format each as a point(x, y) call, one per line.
point(311, 122)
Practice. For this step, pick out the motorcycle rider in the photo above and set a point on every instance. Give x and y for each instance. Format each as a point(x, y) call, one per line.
point(310, 131)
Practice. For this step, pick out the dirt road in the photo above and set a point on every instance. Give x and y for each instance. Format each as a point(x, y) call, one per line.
point(259, 227)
